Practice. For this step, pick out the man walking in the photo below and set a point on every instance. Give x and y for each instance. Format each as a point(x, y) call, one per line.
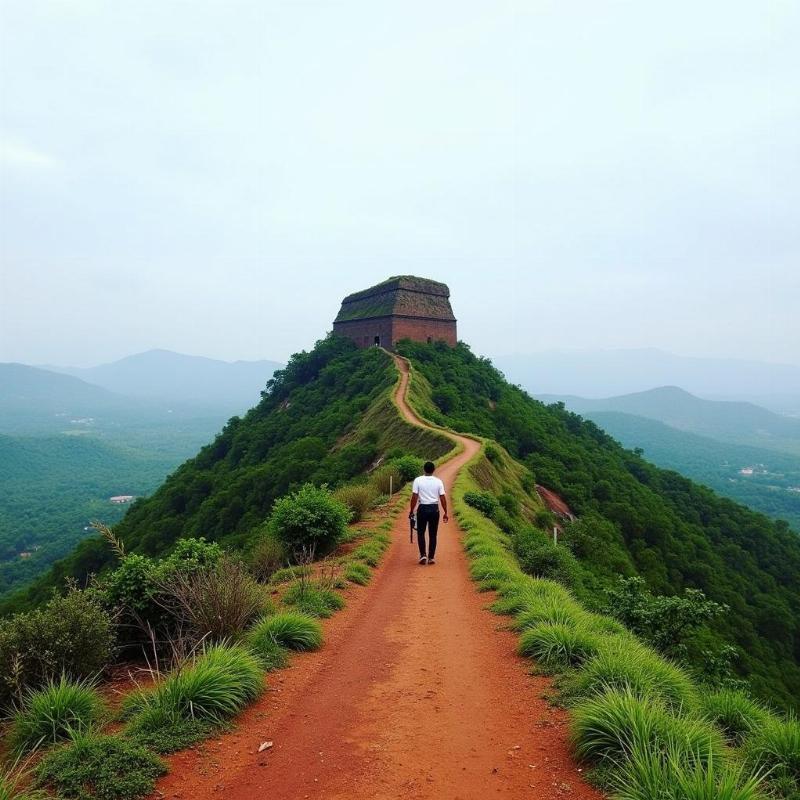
point(426, 493)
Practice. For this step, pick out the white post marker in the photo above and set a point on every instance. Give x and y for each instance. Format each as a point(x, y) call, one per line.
point(555, 535)
point(391, 485)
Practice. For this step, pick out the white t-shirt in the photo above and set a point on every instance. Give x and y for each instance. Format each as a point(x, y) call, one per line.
point(429, 488)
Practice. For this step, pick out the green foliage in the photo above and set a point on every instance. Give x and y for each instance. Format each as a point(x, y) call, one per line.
point(559, 646)
point(313, 599)
point(270, 653)
point(387, 479)
point(615, 723)
point(634, 668)
point(638, 519)
point(734, 712)
point(72, 635)
point(309, 520)
point(775, 746)
point(485, 502)
point(304, 430)
point(167, 733)
point(358, 498)
point(541, 558)
point(287, 574)
point(51, 713)
point(408, 466)
point(213, 602)
point(267, 556)
point(665, 622)
point(660, 774)
point(356, 572)
point(98, 767)
point(211, 688)
point(291, 629)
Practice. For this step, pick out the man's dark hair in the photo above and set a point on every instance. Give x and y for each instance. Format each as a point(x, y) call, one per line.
point(429, 467)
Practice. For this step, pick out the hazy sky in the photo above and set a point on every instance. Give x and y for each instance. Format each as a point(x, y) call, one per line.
point(212, 177)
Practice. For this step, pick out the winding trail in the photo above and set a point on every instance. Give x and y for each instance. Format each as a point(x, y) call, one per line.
point(416, 694)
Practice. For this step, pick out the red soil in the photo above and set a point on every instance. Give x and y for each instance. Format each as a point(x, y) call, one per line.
point(417, 693)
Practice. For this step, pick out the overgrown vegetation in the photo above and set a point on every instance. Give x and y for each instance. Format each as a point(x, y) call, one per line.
point(636, 519)
point(642, 722)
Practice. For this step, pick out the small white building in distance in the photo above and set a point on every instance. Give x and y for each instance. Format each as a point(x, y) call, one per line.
point(119, 499)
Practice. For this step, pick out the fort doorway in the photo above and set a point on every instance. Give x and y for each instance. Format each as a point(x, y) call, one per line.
point(377, 341)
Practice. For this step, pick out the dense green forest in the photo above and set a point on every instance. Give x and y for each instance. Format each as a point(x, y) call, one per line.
point(325, 418)
point(773, 488)
point(676, 533)
point(51, 487)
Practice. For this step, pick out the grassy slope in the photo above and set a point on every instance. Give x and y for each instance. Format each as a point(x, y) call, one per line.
point(673, 532)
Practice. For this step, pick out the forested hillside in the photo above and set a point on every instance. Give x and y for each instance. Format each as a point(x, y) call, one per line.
point(50, 489)
point(676, 534)
point(773, 486)
point(324, 419)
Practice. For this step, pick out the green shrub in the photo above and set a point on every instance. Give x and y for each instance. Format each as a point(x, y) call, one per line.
point(408, 466)
point(49, 714)
point(267, 557)
point(485, 502)
point(492, 571)
point(290, 629)
point(775, 746)
point(72, 635)
point(509, 503)
point(270, 653)
point(356, 572)
point(627, 665)
point(387, 479)
point(357, 498)
point(613, 724)
point(492, 453)
point(190, 554)
point(213, 602)
point(559, 646)
point(310, 520)
point(541, 558)
point(734, 712)
point(313, 599)
point(212, 688)
point(104, 767)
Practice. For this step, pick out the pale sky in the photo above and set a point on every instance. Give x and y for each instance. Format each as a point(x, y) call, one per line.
point(212, 177)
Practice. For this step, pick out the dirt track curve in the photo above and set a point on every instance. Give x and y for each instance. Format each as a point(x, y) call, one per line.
point(416, 694)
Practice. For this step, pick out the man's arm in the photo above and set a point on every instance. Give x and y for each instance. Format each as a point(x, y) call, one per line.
point(443, 499)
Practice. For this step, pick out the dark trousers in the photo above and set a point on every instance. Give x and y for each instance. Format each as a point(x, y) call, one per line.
point(427, 517)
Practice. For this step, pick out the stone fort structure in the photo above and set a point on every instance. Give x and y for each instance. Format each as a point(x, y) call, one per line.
point(404, 307)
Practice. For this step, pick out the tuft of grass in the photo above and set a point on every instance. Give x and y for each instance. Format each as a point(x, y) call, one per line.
point(290, 629)
point(549, 611)
point(649, 773)
point(357, 498)
point(287, 574)
point(313, 599)
point(623, 664)
point(370, 553)
point(212, 688)
point(559, 646)
point(357, 572)
point(163, 732)
point(614, 724)
point(93, 765)
point(49, 714)
point(775, 746)
point(734, 712)
point(13, 780)
point(492, 572)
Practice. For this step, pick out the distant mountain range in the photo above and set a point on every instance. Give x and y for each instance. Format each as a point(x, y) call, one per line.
point(605, 373)
point(729, 421)
point(164, 375)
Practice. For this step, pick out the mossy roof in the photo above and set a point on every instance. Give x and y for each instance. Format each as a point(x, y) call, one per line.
point(403, 295)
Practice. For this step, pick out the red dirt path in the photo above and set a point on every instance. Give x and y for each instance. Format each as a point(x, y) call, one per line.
point(416, 694)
